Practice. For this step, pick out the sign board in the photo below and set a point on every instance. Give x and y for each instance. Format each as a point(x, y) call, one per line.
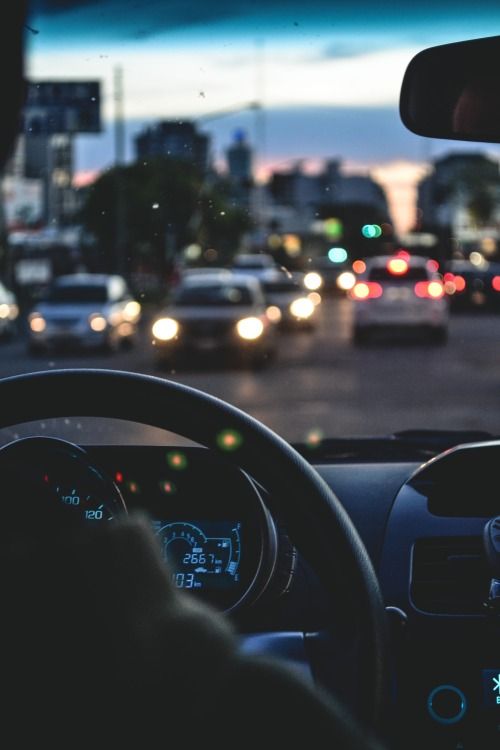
point(62, 107)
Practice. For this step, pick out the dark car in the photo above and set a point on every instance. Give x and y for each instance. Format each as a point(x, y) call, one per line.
point(289, 301)
point(472, 286)
point(216, 314)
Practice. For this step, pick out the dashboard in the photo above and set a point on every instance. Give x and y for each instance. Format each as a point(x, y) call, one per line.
point(225, 543)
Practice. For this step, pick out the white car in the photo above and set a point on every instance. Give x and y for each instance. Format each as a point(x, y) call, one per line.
point(84, 310)
point(9, 311)
point(399, 292)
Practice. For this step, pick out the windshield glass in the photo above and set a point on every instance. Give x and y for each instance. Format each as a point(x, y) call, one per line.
point(213, 295)
point(412, 274)
point(77, 293)
point(166, 137)
point(281, 286)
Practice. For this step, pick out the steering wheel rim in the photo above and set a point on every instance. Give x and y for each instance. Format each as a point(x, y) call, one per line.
point(314, 517)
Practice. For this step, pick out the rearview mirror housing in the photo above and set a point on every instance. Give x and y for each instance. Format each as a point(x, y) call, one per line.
point(453, 91)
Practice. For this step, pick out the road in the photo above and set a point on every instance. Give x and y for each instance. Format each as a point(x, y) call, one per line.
point(321, 382)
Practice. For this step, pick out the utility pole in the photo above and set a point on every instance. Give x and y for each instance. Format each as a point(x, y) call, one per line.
point(119, 117)
point(119, 261)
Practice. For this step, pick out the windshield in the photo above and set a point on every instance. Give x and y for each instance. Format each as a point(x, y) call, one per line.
point(166, 137)
point(412, 274)
point(213, 295)
point(280, 286)
point(77, 293)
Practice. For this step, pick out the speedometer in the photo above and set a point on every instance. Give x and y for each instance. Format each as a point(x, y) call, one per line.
point(202, 553)
point(75, 491)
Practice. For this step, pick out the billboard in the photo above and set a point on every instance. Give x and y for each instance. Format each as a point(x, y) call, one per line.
point(62, 107)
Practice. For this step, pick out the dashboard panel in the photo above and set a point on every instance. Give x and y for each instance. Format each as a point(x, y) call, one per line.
point(422, 526)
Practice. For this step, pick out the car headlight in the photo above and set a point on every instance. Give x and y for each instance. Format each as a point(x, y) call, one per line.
point(302, 308)
point(346, 280)
point(273, 313)
point(4, 311)
point(13, 311)
point(132, 311)
point(313, 281)
point(37, 322)
point(97, 322)
point(250, 328)
point(165, 329)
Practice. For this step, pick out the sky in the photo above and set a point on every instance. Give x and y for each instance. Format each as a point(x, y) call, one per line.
point(326, 74)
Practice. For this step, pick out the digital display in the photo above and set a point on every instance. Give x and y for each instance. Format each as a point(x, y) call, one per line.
point(201, 554)
point(491, 687)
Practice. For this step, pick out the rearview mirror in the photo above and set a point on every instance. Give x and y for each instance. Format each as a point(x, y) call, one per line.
point(453, 91)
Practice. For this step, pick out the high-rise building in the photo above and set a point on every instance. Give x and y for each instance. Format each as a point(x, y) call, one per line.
point(175, 138)
point(239, 158)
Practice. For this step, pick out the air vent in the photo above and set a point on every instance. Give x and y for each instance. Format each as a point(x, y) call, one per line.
point(449, 575)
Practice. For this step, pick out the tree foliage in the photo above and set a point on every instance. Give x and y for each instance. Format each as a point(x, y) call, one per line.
point(146, 213)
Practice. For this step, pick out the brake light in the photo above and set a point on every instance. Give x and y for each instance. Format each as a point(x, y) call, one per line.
point(403, 254)
point(397, 266)
point(429, 289)
point(432, 265)
point(495, 283)
point(460, 284)
point(366, 290)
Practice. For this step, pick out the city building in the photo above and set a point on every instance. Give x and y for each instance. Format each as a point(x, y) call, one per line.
point(239, 157)
point(175, 138)
point(47, 159)
point(462, 193)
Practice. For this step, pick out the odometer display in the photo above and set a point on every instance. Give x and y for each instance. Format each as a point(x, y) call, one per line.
point(202, 554)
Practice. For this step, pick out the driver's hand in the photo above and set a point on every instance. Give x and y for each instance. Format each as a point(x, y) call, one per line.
point(98, 647)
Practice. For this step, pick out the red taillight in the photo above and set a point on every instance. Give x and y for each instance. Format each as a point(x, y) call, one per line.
point(404, 254)
point(432, 265)
point(366, 290)
point(495, 283)
point(429, 289)
point(459, 282)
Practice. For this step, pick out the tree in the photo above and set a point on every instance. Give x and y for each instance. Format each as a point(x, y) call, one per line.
point(150, 211)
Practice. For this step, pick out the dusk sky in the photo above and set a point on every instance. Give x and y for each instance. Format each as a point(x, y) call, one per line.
point(326, 73)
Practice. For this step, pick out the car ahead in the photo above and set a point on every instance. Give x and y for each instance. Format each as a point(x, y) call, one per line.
point(471, 286)
point(254, 264)
point(84, 310)
point(216, 314)
point(289, 302)
point(399, 292)
point(9, 311)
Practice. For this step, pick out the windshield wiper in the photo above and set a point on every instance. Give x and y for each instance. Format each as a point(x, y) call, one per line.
point(407, 445)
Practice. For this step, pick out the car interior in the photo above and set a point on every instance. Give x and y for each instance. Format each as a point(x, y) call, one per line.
point(368, 565)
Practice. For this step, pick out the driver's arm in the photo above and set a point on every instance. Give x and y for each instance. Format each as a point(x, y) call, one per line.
point(129, 658)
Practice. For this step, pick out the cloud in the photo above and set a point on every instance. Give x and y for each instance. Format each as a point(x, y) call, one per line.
point(342, 49)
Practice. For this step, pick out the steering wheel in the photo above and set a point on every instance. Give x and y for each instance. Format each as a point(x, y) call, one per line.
point(316, 522)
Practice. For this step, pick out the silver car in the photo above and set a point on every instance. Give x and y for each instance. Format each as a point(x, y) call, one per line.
point(9, 311)
point(85, 310)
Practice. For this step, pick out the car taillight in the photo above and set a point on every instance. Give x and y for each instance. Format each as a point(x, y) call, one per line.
point(460, 283)
point(429, 289)
point(495, 283)
point(366, 290)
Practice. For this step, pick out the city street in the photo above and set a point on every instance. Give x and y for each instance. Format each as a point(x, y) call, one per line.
point(320, 381)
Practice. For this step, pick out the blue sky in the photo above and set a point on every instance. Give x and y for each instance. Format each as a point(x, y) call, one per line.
point(327, 73)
